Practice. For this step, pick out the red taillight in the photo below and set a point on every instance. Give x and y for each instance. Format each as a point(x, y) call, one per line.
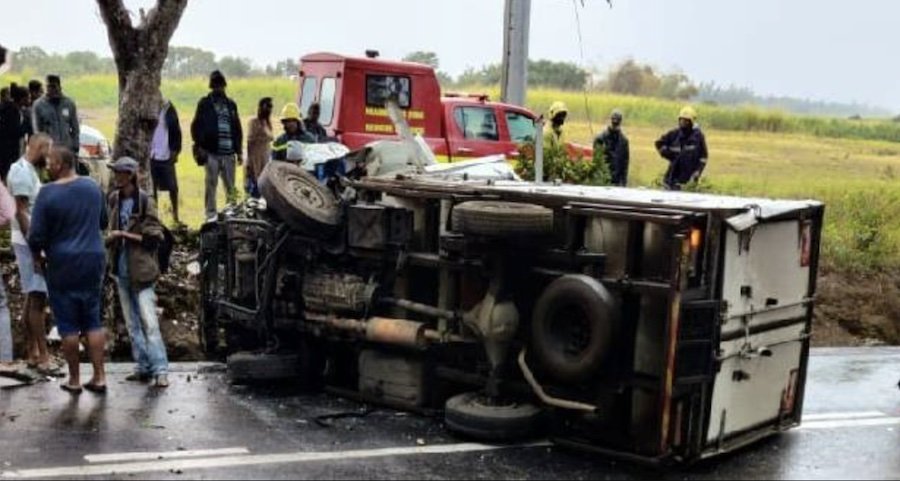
point(696, 240)
point(805, 244)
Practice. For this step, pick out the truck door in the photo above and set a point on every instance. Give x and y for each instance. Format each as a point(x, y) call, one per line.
point(474, 131)
point(520, 129)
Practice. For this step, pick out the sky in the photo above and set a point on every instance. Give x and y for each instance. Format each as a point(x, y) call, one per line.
point(817, 49)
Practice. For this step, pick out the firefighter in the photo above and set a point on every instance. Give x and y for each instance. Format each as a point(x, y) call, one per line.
point(615, 147)
point(685, 149)
point(554, 135)
point(286, 147)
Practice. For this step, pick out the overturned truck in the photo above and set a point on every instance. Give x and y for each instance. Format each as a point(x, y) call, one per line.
point(654, 326)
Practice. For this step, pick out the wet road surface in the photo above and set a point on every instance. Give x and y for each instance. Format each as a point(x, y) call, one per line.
point(204, 428)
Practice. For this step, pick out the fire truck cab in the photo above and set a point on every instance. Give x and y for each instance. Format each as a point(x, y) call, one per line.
point(352, 93)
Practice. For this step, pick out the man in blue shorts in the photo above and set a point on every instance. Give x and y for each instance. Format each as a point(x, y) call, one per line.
point(65, 235)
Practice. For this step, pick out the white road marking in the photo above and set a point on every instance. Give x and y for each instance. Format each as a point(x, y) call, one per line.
point(839, 416)
point(136, 463)
point(122, 457)
point(851, 423)
point(252, 460)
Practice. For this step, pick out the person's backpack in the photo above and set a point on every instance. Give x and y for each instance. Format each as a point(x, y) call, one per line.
point(166, 246)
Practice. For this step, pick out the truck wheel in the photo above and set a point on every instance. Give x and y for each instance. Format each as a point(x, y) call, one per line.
point(246, 368)
point(502, 219)
point(572, 328)
point(473, 415)
point(299, 199)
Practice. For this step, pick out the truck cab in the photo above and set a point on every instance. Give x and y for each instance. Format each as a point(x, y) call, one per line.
point(477, 127)
point(352, 93)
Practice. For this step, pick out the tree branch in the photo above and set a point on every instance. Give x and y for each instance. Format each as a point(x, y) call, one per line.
point(121, 32)
point(159, 24)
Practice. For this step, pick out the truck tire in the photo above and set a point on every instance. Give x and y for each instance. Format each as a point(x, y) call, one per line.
point(249, 368)
point(572, 329)
point(502, 219)
point(300, 200)
point(472, 416)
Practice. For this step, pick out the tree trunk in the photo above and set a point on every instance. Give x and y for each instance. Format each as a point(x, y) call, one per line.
point(140, 53)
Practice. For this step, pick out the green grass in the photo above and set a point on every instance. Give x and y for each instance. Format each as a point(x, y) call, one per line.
point(853, 166)
point(660, 113)
point(858, 180)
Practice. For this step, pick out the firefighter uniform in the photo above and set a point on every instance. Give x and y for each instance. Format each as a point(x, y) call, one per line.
point(554, 135)
point(282, 145)
point(685, 149)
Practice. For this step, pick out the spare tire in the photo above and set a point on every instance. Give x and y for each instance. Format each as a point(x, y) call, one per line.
point(572, 329)
point(502, 219)
point(473, 416)
point(299, 199)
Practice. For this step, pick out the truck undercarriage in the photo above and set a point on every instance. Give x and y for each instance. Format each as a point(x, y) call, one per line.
point(603, 318)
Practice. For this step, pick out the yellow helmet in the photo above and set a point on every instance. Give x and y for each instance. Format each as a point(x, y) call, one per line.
point(556, 109)
point(291, 112)
point(688, 113)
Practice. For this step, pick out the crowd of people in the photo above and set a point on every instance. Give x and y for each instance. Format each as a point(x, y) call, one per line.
point(67, 235)
point(62, 230)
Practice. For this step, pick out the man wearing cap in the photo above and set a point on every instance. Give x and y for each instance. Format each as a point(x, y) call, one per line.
point(285, 147)
point(56, 115)
point(685, 149)
point(133, 241)
point(217, 130)
point(616, 150)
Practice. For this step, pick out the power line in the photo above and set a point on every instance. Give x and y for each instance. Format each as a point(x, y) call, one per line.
point(587, 106)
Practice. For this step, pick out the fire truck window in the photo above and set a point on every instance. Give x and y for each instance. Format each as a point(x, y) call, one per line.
point(308, 94)
point(477, 123)
point(326, 100)
point(379, 88)
point(521, 127)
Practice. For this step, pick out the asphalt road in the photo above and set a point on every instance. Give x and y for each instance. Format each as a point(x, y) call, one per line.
point(204, 428)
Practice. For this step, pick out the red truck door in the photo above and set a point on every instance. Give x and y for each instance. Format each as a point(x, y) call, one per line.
point(476, 130)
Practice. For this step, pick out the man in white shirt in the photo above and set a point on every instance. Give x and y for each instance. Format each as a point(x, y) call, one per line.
point(24, 184)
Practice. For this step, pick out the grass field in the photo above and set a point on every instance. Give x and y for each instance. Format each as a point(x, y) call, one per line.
point(854, 166)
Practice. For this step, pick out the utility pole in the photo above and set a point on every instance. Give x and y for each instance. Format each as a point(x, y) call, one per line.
point(516, 30)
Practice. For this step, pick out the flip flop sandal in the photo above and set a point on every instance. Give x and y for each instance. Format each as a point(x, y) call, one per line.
point(95, 389)
point(71, 390)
